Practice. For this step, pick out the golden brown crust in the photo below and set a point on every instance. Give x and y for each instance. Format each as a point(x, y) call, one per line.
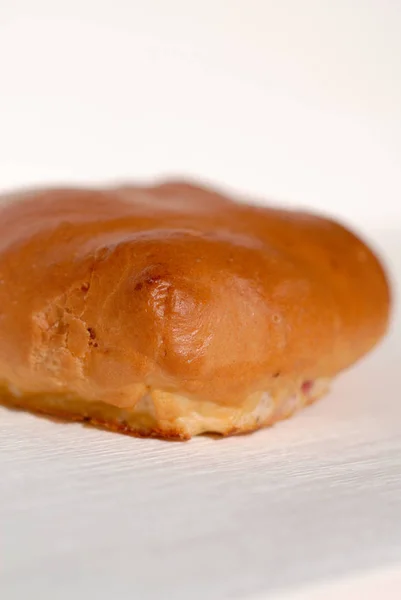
point(106, 294)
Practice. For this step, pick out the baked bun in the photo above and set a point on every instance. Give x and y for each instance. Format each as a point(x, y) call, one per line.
point(172, 311)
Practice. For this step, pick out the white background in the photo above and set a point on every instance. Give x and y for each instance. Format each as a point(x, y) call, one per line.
point(298, 102)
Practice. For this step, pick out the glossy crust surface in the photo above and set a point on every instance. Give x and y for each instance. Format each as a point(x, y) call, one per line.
point(177, 298)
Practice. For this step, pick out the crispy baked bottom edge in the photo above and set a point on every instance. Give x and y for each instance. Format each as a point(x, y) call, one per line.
point(168, 415)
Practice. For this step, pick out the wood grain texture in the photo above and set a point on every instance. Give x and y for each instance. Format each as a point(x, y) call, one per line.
point(314, 499)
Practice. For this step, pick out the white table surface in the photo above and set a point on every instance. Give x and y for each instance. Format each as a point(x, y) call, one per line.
point(263, 97)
